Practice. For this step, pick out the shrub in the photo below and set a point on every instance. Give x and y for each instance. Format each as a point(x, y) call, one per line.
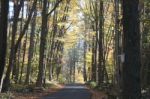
point(92, 84)
point(6, 95)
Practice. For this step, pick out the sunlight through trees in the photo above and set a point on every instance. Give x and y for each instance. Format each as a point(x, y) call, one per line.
point(103, 44)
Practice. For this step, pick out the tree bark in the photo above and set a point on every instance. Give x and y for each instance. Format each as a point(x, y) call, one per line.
point(31, 47)
point(93, 72)
point(101, 37)
point(17, 8)
point(40, 79)
point(3, 35)
point(131, 48)
point(84, 67)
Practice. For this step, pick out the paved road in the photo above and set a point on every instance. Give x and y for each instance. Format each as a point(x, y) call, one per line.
point(72, 91)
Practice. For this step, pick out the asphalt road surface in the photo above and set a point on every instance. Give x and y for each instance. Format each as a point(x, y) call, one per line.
point(71, 91)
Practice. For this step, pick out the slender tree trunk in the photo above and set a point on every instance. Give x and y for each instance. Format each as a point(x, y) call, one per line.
point(19, 48)
point(52, 45)
point(70, 72)
point(93, 72)
point(31, 47)
point(17, 9)
point(84, 67)
point(23, 59)
point(101, 62)
point(44, 31)
point(74, 66)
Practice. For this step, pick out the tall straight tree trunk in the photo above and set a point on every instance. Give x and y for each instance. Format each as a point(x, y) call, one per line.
point(131, 48)
point(70, 70)
point(3, 35)
point(19, 48)
point(40, 79)
point(17, 8)
point(52, 45)
point(23, 57)
point(84, 67)
point(96, 39)
point(31, 47)
point(93, 72)
point(101, 63)
point(117, 51)
point(74, 65)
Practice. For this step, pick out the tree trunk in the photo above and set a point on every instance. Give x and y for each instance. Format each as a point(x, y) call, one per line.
point(101, 63)
point(93, 72)
point(44, 31)
point(84, 67)
point(3, 35)
point(131, 48)
point(31, 47)
point(17, 8)
point(24, 55)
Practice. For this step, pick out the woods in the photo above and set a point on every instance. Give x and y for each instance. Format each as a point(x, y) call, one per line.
point(101, 43)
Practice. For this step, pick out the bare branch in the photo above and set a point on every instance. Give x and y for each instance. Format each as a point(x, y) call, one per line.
point(55, 6)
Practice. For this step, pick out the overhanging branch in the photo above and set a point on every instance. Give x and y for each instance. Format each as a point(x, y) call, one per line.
point(55, 6)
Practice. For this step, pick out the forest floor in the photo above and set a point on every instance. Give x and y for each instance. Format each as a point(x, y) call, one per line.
point(68, 91)
point(98, 94)
point(38, 93)
point(35, 95)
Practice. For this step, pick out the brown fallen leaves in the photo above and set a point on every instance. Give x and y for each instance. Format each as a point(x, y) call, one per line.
point(98, 94)
point(36, 94)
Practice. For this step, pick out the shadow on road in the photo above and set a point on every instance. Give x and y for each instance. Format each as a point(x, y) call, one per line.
point(71, 91)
